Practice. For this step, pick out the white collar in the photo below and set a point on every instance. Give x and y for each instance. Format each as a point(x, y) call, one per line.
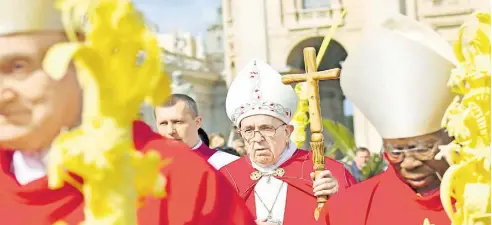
point(198, 145)
point(286, 155)
point(28, 167)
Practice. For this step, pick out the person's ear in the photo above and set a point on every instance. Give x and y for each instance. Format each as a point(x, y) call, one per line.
point(199, 121)
point(289, 129)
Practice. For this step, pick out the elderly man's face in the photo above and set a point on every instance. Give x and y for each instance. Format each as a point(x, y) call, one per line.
point(33, 106)
point(265, 137)
point(417, 165)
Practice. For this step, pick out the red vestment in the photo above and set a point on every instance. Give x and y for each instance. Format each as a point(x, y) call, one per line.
point(197, 194)
point(383, 200)
point(214, 157)
point(301, 202)
point(205, 152)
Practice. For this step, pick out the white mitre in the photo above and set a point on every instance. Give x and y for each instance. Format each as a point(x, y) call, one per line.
point(397, 77)
point(20, 16)
point(258, 90)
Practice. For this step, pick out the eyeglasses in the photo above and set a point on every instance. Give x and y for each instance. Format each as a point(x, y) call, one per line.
point(265, 131)
point(419, 153)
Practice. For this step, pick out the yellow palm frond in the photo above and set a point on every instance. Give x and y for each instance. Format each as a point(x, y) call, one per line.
point(468, 120)
point(119, 67)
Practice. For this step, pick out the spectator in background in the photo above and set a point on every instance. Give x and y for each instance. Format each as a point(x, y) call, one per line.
point(217, 140)
point(178, 119)
point(362, 156)
point(238, 146)
point(203, 136)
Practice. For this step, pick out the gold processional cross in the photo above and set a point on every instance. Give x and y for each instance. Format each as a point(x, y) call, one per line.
point(317, 140)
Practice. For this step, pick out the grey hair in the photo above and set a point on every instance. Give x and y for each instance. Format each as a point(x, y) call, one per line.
point(189, 101)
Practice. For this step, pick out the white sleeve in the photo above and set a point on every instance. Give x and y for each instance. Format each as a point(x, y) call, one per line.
point(220, 159)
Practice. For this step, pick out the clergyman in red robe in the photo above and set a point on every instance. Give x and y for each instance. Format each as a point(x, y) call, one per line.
point(397, 78)
point(179, 119)
point(275, 178)
point(34, 108)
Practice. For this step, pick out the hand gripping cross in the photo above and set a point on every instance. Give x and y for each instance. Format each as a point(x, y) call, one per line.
point(312, 77)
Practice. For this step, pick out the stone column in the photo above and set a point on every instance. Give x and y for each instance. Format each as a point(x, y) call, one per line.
point(250, 30)
point(290, 11)
point(219, 119)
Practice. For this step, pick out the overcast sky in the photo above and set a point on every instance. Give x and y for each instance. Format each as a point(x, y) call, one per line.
point(188, 15)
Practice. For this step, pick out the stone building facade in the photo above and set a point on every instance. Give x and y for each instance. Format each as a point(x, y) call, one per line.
point(186, 60)
point(278, 30)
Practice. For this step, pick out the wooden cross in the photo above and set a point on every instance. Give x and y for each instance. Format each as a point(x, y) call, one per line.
point(312, 77)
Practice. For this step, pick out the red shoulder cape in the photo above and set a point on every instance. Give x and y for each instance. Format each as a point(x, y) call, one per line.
point(301, 202)
point(205, 152)
point(199, 197)
point(383, 200)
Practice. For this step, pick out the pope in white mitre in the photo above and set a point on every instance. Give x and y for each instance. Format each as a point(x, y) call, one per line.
point(275, 179)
